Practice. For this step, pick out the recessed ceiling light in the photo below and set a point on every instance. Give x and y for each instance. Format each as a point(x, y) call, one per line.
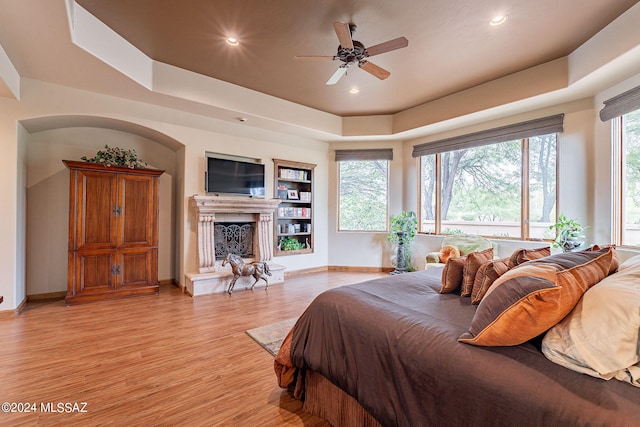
point(233, 41)
point(354, 90)
point(498, 20)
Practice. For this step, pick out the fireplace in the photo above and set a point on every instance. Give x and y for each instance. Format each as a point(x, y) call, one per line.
point(231, 224)
point(233, 238)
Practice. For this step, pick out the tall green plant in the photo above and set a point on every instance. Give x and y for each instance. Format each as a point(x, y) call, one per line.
point(407, 223)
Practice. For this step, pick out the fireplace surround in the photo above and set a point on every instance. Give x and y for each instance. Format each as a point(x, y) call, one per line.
point(212, 211)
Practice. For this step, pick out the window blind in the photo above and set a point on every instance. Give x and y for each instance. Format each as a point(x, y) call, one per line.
point(622, 104)
point(365, 154)
point(543, 126)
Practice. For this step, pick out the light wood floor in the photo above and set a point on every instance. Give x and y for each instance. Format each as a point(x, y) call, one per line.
point(156, 360)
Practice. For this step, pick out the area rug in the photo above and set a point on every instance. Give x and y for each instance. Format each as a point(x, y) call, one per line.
point(270, 336)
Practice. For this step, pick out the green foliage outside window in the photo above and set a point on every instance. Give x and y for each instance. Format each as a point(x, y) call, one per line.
point(363, 195)
point(631, 178)
point(483, 186)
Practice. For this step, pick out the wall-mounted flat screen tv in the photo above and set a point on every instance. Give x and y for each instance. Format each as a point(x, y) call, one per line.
point(235, 177)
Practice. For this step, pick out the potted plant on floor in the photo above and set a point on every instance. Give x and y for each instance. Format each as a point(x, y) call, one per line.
point(403, 229)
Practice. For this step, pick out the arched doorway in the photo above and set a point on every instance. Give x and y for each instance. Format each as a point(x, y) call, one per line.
point(52, 139)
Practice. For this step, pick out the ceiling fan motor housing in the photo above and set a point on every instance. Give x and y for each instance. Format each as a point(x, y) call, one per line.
point(352, 56)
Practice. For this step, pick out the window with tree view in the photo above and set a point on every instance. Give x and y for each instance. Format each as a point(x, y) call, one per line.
point(482, 189)
point(629, 205)
point(363, 195)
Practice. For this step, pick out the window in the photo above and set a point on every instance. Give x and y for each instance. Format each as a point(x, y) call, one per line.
point(363, 195)
point(491, 185)
point(627, 129)
point(624, 112)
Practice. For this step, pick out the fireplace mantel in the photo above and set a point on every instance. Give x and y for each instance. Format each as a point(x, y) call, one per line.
point(207, 211)
point(214, 204)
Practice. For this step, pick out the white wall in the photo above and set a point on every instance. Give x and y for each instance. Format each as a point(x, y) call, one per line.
point(11, 261)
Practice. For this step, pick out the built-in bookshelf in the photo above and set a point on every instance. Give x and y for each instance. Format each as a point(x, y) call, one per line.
point(294, 217)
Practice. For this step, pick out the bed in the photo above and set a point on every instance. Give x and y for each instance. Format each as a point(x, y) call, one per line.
point(387, 352)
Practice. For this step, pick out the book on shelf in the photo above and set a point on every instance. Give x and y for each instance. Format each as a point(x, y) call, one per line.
point(290, 212)
point(298, 174)
point(305, 196)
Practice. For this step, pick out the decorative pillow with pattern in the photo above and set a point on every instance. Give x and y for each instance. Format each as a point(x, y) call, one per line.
point(520, 256)
point(526, 301)
point(452, 275)
point(474, 261)
point(486, 275)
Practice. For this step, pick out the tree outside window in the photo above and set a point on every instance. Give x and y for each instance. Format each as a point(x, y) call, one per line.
point(630, 233)
point(363, 195)
point(482, 189)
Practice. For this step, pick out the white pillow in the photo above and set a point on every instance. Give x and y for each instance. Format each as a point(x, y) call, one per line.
point(633, 262)
point(600, 336)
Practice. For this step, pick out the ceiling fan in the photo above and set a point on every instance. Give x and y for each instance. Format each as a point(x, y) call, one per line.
point(352, 52)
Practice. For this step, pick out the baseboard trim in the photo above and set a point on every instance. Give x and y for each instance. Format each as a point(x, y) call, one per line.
point(169, 282)
point(47, 296)
point(340, 268)
point(304, 271)
point(360, 269)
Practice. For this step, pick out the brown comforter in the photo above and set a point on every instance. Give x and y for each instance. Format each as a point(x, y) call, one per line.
point(391, 343)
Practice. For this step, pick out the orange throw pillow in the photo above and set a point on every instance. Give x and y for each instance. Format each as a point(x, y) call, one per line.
point(448, 251)
point(520, 256)
point(474, 261)
point(452, 275)
point(486, 275)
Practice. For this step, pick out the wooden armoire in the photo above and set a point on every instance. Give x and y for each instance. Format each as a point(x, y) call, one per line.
point(113, 232)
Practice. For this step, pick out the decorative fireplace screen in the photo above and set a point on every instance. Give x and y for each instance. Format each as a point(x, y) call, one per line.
point(233, 238)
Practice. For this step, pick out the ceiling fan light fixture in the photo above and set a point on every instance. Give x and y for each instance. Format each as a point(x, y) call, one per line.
point(498, 20)
point(232, 41)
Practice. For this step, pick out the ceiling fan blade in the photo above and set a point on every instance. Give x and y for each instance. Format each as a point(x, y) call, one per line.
point(374, 70)
point(344, 34)
point(390, 45)
point(337, 75)
point(313, 58)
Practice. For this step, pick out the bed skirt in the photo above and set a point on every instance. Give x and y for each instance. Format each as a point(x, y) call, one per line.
point(327, 401)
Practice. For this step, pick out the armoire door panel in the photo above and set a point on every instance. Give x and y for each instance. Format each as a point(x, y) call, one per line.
point(96, 272)
point(96, 214)
point(137, 210)
point(135, 268)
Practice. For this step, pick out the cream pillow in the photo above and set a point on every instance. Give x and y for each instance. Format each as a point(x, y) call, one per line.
point(600, 336)
point(633, 262)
